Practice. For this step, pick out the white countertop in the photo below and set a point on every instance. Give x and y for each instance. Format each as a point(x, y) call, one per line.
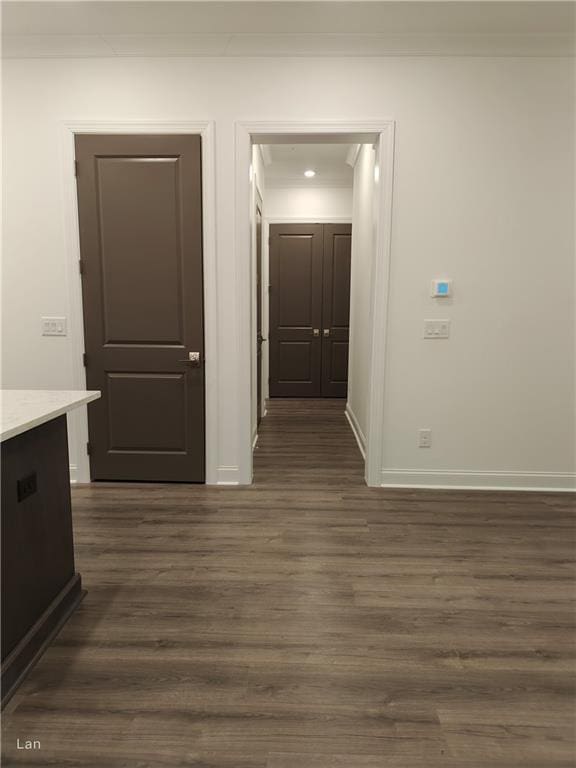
point(24, 409)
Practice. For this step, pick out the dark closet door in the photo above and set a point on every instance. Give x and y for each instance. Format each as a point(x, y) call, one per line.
point(295, 310)
point(336, 309)
point(140, 212)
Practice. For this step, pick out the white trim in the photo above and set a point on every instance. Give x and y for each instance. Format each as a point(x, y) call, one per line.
point(287, 182)
point(229, 45)
point(258, 190)
point(265, 311)
point(478, 480)
point(379, 302)
point(265, 154)
point(228, 475)
point(309, 220)
point(79, 425)
point(356, 429)
point(254, 440)
point(313, 132)
point(352, 155)
point(246, 133)
point(73, 469)
point(242, 275)
point(257, 203)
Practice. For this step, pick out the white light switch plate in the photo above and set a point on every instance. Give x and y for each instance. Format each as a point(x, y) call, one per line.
point(436, 329)
point(53, 326)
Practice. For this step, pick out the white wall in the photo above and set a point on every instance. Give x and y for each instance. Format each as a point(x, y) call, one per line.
point(363, 245)
point(483, 194)
point(309, 202)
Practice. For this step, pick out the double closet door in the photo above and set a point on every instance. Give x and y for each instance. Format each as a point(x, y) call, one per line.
point(309, 309)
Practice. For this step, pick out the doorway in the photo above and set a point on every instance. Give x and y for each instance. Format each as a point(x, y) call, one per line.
point(309, 309)
point(142, 289)
point(379, 137)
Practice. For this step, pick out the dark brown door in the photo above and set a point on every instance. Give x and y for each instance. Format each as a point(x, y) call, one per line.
point(336, 309)
point(259, 338)
point(295, 310)
point(309, 309)
point(140, 212)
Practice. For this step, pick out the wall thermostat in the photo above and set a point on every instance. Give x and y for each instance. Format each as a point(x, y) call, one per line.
point(441, 288)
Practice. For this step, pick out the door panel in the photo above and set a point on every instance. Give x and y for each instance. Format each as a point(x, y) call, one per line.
point(295, 309)
point(336, 309)
point(155, 420)
point(140, 213)
point(339, 363)
point(295, 363)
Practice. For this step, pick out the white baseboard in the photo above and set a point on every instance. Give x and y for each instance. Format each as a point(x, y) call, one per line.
point(228, 475)
point(358, 434)
point(254, 440)
point(456, 479)
point(224, 476)
point(432, 478)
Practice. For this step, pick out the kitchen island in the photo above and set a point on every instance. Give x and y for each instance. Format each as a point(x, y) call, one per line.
point(40, 586)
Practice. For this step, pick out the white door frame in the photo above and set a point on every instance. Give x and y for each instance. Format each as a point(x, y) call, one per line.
point(258, 202)
point(78, 424)
point(381, 132)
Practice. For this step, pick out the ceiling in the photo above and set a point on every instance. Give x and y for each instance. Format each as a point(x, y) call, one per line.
point(269, 28)
point(285, 165)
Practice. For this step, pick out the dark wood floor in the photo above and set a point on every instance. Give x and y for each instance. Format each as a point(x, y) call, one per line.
point(310, 622)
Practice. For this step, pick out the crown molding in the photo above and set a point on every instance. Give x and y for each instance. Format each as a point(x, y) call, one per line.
point(304, 45)
point(315, 183)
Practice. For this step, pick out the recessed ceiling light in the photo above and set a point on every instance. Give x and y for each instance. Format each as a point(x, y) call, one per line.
point(309, 173)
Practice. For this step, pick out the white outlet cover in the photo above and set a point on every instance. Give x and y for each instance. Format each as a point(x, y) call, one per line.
point(424, 438)
point(436, 329)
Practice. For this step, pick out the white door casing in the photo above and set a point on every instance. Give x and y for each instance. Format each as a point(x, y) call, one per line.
point(381, 133)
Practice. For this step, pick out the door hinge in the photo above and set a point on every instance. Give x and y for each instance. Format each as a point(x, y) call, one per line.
point(84, 359)
point(75, 167)
point(88, 449)
point(81, 266)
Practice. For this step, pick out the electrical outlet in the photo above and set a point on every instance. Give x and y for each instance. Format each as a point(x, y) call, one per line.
point(436, 329)
point(424, 438)
point(53, 326)
point(26, 486)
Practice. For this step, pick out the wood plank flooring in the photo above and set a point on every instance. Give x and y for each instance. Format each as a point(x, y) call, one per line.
point(310, 622)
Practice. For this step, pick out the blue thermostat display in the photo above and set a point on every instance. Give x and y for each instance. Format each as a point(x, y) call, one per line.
point(441, 287)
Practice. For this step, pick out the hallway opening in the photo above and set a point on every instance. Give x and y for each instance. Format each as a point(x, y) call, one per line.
point(316, 258)
point(307, 443)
